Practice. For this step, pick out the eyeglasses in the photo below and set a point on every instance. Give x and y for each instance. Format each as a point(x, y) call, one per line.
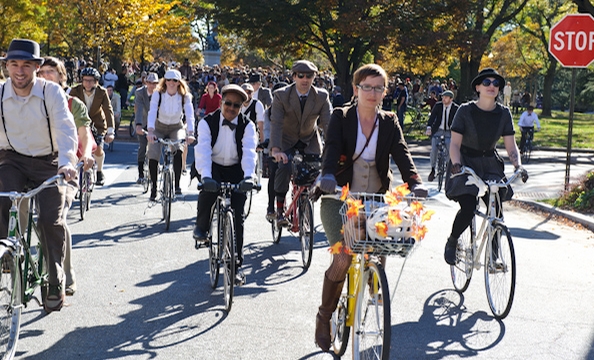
point(174, 80)
point(308, 75)
point(487, 82)
point(368, 88)
point(235, 105)
point(46, 71)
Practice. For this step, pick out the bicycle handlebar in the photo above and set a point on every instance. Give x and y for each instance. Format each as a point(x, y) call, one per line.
point(171, 142)
point(479, 180)
point(230, 186)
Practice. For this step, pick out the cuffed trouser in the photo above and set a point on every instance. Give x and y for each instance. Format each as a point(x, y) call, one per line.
point(16, 172)
point(435, 142)
point(282, 179)
point(142, 145)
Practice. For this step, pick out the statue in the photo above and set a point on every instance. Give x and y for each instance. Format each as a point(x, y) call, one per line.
point(212, 43)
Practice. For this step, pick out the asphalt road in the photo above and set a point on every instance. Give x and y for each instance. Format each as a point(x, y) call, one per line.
point(144, 293)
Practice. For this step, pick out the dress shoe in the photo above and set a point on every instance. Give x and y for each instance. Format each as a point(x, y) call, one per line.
point(100, 178)
point(431, 176)
point(199, 235)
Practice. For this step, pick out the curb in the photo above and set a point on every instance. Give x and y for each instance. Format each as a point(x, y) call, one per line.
point(584, 220)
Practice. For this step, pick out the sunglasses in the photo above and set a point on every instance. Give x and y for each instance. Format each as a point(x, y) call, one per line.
point(174, 80)
point(487, 82)
point(235, 105)
point(302, 75)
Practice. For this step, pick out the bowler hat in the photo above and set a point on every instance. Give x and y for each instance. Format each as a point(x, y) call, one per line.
point(236, 89)
point(254, 78)
point(485, 73)
point(23, 49)
point(304, 66)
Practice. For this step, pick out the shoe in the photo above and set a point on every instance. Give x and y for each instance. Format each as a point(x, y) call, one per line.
point(178, 191)
point(100, 178)
point(199, 235)
point(140, 180)
point(153, 196)
point(270, 216)
point(450, 252)
point(281, 219)
point(239, 278)
point(431, 176)
point(54, 299)
point(71, 289)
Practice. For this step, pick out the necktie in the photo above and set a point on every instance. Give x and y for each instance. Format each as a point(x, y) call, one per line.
point(302, 100)
point(446, 114)
point(228, 123)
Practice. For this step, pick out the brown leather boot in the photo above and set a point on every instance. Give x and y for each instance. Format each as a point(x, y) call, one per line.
point(330, 294)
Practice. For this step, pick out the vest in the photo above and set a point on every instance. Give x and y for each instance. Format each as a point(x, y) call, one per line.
point(251, 111)
point(213, 123)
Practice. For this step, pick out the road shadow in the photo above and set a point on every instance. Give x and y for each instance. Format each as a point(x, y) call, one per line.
point(531, 234)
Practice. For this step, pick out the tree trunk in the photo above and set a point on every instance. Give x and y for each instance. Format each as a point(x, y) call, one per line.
point(344, 70)
point(468, 70)
point(547, 90)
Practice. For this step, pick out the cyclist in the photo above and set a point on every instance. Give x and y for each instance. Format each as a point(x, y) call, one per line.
point(359, 142)
point(100, 111)
point(254, 110)
point(142, 102)
point(440, 123)
point(226, 152)
point(297, 110)
point(477, 127)
point(54, 70)
point(35, 144)
point(526, 124)
point(166, 117)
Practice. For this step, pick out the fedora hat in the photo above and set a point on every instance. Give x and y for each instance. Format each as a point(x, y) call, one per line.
point(485, 73)
point(22, 49)
point(255, 78)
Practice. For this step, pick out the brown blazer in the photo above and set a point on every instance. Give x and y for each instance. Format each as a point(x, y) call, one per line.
point(101, 112)
point(288, 125)
point(341, 140)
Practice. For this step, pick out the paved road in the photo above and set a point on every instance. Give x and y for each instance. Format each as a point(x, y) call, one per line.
point(144, 293)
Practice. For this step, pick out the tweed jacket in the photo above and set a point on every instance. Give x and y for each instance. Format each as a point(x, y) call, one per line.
point(101, 112)
point(437, 113)
point(341, 140)
point(288, 125)
point(142, 100)
point(265, 96)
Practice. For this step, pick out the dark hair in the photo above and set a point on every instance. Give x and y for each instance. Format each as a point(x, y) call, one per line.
point(58, 65)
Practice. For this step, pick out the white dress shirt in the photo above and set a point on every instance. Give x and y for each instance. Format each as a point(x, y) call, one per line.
point(528, 120)
point(224, 151)
point(259, 110)
point(26, 124)
point(369, 151)
point(170, 112)
point(444, 117)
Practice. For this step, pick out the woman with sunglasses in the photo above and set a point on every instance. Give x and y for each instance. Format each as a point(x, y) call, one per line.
point(476, 129)
point(167, 116)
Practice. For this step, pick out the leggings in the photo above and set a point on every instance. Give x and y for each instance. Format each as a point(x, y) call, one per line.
point(466, 213)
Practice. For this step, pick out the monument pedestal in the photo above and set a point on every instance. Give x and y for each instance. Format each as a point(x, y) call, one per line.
point(212, 57)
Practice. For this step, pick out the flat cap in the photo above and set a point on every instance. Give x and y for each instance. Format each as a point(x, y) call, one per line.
point(236, 89)
point(304, 66)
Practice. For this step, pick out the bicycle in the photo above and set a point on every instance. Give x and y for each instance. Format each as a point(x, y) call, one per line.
point(499, 256)
point(443, 157)
point(299, 212)
point(248, 201)
point(527, 148)
point(86, 184)
point(23, 265)
point(166, 178)
point(132, 126)
point(417, 118)
point(222, 250)
point(365, 303)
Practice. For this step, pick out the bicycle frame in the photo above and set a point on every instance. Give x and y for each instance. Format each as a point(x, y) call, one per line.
point(291, 211)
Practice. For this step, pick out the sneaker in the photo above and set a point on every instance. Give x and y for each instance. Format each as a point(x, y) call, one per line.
point(71, 289)
point(54, 299)
point(100, 178)
point(239, 278)
point(140, 180)
point(281, 219)
point(450, 252)
point(431, 176)
point(270, 216)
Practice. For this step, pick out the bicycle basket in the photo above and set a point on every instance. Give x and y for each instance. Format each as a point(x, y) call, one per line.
point(378, 228)
point(306, 168)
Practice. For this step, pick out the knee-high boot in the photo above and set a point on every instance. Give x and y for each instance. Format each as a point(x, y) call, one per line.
point(330, 294)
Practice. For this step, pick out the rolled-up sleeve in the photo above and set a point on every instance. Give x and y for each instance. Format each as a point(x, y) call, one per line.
point(203, 150)
point(248, 146)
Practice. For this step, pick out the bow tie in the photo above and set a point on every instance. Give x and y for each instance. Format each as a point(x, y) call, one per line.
point(228, 123)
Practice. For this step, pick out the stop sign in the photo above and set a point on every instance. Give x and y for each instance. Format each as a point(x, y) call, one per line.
point(572, 40)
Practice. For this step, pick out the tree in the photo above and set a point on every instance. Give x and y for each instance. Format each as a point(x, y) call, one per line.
point(18, 20)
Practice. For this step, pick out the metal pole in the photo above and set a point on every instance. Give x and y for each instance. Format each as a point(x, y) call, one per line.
point(570, 128)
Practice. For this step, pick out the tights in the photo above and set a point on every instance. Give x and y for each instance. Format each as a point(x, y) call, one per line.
point(177, 165)
point(466, 213)
point(340, 266)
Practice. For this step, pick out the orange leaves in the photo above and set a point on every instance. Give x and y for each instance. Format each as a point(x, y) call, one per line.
point(345, 192)
point(382, 229)
point(394, 217)
point(416, 207)
point(339, 248)
point(419, 231)
point(353, 207)
point(427, 215)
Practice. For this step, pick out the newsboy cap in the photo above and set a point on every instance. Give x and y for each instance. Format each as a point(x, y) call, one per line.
point(23, 49)
point(304, 66)
point(236, 89)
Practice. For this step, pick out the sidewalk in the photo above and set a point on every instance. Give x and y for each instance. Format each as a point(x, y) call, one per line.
point(547, 178)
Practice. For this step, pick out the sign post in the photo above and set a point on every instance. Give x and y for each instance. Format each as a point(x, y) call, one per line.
point(571, 42)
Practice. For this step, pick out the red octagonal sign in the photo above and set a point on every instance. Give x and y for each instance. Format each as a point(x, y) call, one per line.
point(572, 40)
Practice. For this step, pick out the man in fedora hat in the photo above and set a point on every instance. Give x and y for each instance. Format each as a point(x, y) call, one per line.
point(260, 93)
point(297, 110)
point(38, 139)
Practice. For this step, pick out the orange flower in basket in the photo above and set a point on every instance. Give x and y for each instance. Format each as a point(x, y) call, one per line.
point(381, 229)
point(345, 192)
point(419, 232)
point(394, 217)
point(353, 207)
point(416, 207)
point(427, 215)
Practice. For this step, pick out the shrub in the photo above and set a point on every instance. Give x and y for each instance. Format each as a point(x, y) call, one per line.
point(580, 196)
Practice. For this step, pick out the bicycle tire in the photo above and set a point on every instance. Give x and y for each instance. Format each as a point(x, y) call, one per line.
point(83, 191)
point(10, 303)
point(166, 197)
point(440, 169)
point(277, 231)
point(339, 331)
point(461, 272)
point(228, 259)
point(146, 179)
point(132, 128)
point(89, 176)
point(247, 205)
point(214, 248)
point(372, 329)
point(306, 230)
point(500, 271)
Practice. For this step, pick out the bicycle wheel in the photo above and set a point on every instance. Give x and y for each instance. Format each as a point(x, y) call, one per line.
point(146, 178)
point(214, 248)
point(500, 271)
point(83, 190)
point(306, 230)
point(462, 271)
point(441, 169)
point(277, 231)
point(89, 177)
point(132, 128)
point(339, 332)
point(228, 259)
point(166, 197)
point(248, 204)
point(10, 303)
point(372, 327)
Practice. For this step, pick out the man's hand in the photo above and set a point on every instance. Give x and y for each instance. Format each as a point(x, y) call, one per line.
point(210, 185)
point(190, 139)
point(68, 171)
point(139, 130)
point(328, 184)
point(87, 161)
point(109, 138)
point(428, 131)
point(279, 156)
point(151, 137)
point(246, 184)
